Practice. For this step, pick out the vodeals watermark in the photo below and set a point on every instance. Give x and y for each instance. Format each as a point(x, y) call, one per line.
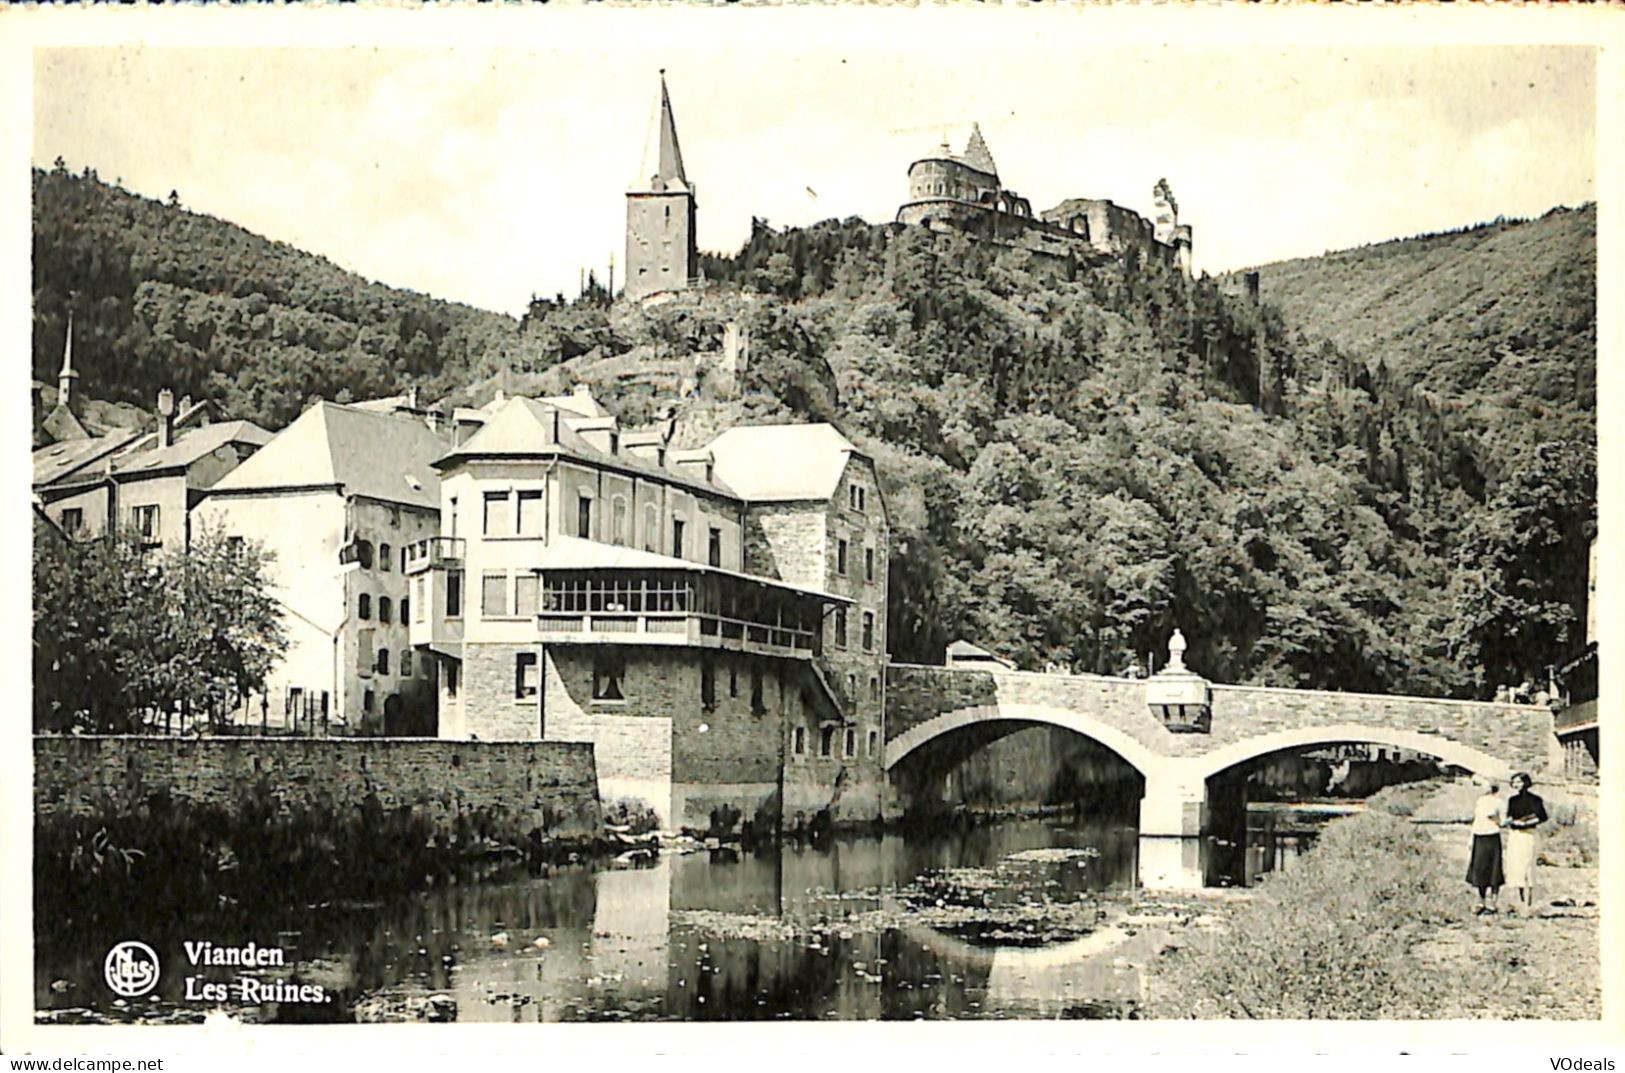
point(132, 970)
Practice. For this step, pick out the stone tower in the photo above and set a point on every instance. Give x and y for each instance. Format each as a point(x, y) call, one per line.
point(661, 254)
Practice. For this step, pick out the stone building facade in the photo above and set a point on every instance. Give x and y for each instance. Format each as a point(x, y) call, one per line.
point(662, 252)
point(709, 640)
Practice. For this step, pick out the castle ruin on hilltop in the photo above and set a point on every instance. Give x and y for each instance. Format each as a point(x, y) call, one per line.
point(963, 191)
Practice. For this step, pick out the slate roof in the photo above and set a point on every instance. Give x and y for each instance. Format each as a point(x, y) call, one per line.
point(780, 463)
point(380, 456)
point(191, 446)
point(79, 458)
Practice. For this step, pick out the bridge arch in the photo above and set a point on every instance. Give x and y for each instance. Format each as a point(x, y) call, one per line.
point(1138, 755)
point(1451, 752)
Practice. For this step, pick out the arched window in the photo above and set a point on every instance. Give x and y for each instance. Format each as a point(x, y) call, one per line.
point(651, 528)
point(383, 558)
point(617, 523)
point(383, 661)
point(363, 607)
point(386, 610)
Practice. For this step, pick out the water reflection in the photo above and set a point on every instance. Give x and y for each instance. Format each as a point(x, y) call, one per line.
point(797, 933)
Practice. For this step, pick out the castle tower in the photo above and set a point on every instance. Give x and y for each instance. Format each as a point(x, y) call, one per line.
point(661, 252)
point(1167, 212)
point(977, 154)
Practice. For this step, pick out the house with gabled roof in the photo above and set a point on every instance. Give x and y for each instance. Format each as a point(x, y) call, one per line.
point(589, 584)
point(337, 497)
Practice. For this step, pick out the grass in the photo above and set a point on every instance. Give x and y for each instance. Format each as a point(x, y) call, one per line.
point(1329, 939)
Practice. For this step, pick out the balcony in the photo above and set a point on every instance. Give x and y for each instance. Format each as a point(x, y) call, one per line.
point(433, 553)
point(437, 605)
point(675, 627)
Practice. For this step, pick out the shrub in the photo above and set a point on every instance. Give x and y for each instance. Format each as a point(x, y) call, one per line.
point(1329, 939)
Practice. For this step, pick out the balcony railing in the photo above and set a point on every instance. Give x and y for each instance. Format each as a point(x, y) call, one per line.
point(434, 552)
point(664, 627)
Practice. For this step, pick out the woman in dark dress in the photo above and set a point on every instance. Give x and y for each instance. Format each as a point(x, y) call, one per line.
point(1484, 867)
point(1525, 812)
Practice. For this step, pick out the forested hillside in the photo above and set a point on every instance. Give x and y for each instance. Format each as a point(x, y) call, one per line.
point(1075, 461)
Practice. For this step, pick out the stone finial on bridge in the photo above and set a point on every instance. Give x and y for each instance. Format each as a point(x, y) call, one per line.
point(1180, 698)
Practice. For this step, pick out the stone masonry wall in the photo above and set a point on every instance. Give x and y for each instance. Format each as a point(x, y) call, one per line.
point(492, 711)
point(523, 785)
point(1520, 735)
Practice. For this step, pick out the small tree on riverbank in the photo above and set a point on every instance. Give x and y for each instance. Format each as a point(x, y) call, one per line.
point(121, 633)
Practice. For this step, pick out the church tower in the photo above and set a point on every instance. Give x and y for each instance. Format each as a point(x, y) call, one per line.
point(661, 252)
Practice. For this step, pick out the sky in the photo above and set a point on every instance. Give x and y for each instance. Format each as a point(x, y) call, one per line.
point(485, 174)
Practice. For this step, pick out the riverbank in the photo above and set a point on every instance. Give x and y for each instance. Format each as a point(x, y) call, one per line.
point(1378, 923)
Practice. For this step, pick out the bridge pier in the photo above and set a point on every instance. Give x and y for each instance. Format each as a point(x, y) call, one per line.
point(1173, 818)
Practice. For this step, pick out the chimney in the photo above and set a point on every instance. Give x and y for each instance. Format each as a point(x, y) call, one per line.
point(166, 418)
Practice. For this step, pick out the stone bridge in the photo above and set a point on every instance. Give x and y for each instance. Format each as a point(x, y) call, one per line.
point(1242, 723)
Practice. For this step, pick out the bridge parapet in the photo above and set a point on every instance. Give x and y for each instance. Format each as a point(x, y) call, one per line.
point(924, 702)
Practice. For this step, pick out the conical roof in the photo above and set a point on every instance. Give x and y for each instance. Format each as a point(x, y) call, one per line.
point(662, 155)
point(977, 154)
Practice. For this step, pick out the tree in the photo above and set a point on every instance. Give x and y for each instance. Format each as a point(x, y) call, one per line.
point(121, 634)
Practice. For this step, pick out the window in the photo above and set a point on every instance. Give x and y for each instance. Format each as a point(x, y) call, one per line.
point(868, 631)
point(677, 538)
point(454, 593)
point(406, 662)
point(498, 518)
point(385, 557)
point(607, 674)
point(525, 589)
point(584, 517)
point(524, 675)
point(386, 610)
point(840, 557)
point(452, 511)
point(874, 741)
point(366, 701)
point(852, 687)
point(383, 661)
point(798, 741)
point(756, 705)
point(857, 497)
point(868, 564)
point(403, 562)
point(826, 740)
point(363, 607)
point(733, 681)
point(840, 627)
point(708, 686)
point(651, 529)
point(146, 522)
point(452, 667)
point(874, 687)
point(73, 521)
point(617, 520)
point(714, 547)
point(849, 746)
point(406, 605)
point(530, 513)
point(494, 594)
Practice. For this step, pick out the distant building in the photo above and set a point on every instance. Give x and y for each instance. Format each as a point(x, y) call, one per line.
point(721, 644)
point(661, 241)
point(92, 481)
point(963, 191)
point(964, 655)
point(337, 497)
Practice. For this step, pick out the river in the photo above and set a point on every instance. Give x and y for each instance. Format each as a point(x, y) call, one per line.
point(1023, 918)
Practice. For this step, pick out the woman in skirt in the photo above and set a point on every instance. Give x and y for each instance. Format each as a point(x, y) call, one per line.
point(1484, 867)
point(1525, 812)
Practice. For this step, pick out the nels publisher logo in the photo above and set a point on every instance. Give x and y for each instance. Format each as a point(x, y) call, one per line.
point(131, 969)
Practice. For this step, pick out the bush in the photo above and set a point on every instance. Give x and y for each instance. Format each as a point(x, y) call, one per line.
point(1329, 939)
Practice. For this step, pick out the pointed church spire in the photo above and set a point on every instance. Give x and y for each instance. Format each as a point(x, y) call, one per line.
point(977, 154)
point(663, 157)
point(65, 379)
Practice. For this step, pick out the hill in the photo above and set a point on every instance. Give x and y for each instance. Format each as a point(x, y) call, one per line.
point(1076, 457)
